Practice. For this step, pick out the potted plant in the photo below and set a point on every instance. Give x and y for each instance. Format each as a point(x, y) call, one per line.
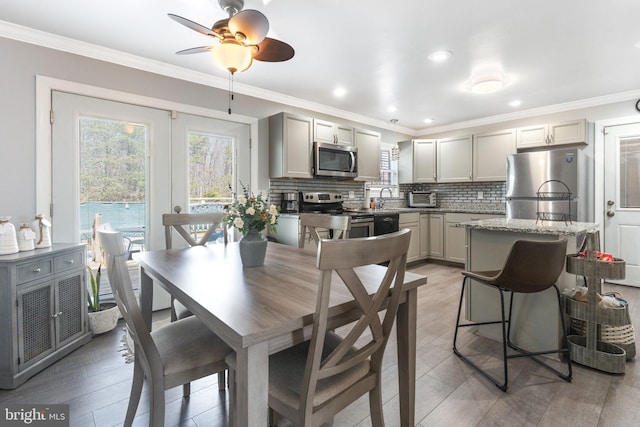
point(103, 317)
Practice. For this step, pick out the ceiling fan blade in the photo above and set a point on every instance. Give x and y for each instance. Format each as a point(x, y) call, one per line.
point(272, 50)
point(252, 24)
point(200, 49)
point(194, 25)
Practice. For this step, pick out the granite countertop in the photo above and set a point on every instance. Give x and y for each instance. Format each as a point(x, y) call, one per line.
point(531, 226)
point(471, 208)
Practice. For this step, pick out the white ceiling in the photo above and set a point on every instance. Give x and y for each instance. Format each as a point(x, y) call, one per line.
point(552, 52)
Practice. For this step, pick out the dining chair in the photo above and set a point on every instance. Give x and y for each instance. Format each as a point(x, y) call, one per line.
point(175, 354)
point(339, 225)
point(531, 266)
point(199, 229)
point(312, 381)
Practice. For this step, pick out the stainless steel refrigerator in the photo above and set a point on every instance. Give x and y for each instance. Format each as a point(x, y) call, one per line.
point(546, 185)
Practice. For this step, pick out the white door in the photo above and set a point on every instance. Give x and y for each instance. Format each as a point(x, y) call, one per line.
point(622, 197)
point(81, 119)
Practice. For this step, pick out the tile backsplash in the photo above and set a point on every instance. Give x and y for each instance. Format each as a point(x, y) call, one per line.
point(449, 194)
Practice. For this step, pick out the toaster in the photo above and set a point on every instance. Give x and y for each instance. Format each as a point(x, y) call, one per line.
point(422, 199)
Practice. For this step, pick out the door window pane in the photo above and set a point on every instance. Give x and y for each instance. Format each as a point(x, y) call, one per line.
point(112, 180)
point(630, 172)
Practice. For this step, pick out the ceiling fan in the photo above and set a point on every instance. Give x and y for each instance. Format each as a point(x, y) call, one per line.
point(241, 36)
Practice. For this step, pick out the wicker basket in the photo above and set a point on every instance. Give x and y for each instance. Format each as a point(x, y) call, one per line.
point(615, 324)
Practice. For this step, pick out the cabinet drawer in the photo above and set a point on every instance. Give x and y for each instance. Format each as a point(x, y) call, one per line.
point(405, 218)
point(34, 270)
point(67, 261)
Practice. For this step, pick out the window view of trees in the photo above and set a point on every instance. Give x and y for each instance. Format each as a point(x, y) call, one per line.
point(112, 155)
point(210, 166)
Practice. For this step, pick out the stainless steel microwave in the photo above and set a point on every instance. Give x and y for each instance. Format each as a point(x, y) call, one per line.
point(335, 160)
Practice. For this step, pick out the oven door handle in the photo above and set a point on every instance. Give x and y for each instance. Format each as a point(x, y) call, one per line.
point(353, 161)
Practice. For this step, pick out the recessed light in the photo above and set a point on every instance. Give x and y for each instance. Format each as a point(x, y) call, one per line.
point(429, 120)
point(392, 109)
point(440, 55)
point(488, 85)
point(515, 103)
point(637, 45)
point(340, 91)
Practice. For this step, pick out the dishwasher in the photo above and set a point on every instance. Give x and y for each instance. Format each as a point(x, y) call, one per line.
point(385, 223)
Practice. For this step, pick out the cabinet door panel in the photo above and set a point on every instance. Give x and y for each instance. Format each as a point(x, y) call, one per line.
point(36, 335)
point(454, 159)
point(71, 308)
point(532, 136)
point(490, 155)
point(424, 160)
point(368, 144)
point(323, 131)
point(436, 235)
point(572, 132)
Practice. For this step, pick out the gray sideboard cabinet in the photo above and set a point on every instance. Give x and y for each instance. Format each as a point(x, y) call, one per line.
point(43, 310)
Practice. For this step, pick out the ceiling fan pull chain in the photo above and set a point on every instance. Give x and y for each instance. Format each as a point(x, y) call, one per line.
point(230, 90)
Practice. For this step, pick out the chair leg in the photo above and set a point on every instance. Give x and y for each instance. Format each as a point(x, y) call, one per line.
point(501, 385)
point(134, 396)
point(156, 414)
point(375, 406)
point(222, 381)
point(186, 390)
point(560, 351)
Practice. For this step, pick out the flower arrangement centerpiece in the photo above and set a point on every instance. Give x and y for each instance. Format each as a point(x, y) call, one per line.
point(250, 215)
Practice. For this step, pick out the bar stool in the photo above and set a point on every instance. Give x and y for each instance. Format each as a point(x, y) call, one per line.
point(531, 266)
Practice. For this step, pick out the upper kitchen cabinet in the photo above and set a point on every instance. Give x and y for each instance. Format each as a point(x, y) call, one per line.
point(552, 134)
point(333, 133)
point(490, 152)
point(368, 144)
point(290, 146)
point(454, 159)
point(417, 161)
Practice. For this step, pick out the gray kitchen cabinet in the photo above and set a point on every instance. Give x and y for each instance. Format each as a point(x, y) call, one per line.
point(44, 310)
point(412, 222)
point(424, 236)
point(417, 161)
point(290, 146)
point(454, 159)
point(332, 133)
point(490, 152)
point(455, 237)
point(552, 134)
point(368, 144)
point(436, 236)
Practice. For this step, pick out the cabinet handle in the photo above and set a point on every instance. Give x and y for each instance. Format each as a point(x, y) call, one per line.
point(56, 315)
point(69, 261)
point(36, 270)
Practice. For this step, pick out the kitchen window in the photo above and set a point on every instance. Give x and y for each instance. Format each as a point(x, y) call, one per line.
point(388, 171)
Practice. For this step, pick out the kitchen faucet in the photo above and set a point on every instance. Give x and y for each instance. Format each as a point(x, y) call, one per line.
point(380, 200)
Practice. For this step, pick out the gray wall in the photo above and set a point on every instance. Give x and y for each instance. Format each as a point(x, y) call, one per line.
point(21, 62)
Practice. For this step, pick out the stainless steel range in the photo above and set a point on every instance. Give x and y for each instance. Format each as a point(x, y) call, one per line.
point(332, 203)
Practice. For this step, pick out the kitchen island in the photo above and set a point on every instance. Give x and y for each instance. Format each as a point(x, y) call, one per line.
point(536, 316)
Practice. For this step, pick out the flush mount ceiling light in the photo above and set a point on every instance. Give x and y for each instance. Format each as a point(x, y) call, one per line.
point(392, 108)
point(339, 92)
point(487, 85)
point(242, 37)
point(440, 55)
point(515, 103)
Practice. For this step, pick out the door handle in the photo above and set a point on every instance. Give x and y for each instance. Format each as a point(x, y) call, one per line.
point(610, 213)
point(610, 202)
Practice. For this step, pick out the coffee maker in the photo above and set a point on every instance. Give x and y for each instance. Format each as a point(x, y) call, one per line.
point(289, 202)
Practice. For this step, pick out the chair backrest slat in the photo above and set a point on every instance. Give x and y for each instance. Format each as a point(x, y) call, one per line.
point(340, 224)
point(212, 221)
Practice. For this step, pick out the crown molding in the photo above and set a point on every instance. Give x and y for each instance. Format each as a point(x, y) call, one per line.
point(68, 45)
point(541, 111)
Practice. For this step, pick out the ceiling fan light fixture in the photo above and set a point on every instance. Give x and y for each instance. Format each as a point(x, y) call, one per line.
point(232, 57)
point(249, 26)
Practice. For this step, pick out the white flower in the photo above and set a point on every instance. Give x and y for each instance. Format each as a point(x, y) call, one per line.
point(251, 211)
point(273, 220)
point(273, 210)
point(241, 199)
point(238, 222)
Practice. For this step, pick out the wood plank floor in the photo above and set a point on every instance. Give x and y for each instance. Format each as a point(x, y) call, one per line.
point(95, 380)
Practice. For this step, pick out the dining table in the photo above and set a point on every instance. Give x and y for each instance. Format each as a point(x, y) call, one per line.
point(261, 310)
